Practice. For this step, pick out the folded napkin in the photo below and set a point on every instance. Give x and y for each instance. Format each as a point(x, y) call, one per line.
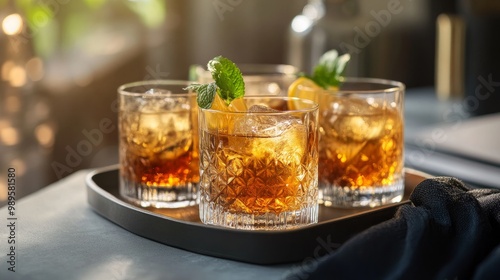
point(449, 232)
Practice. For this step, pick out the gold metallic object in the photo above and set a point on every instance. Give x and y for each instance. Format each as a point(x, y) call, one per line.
point(450, 56)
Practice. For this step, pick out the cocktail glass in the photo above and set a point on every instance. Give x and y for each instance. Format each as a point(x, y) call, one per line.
point(158, 144)
point(258, 169)
point(361, 142)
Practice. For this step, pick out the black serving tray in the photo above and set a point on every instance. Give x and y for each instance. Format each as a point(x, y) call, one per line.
point(182, 227)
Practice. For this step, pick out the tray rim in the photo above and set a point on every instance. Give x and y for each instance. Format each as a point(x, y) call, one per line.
point(94, 189)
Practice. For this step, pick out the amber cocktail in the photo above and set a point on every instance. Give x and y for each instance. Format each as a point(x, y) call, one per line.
point(361, 142)
point(259, 168)
point(158, 144)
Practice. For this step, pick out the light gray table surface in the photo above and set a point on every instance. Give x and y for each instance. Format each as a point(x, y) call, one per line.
point(59, 236)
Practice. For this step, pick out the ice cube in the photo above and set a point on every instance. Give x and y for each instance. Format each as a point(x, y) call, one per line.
point(149, 122)
point(261, 108)
point(156, 91)
point(166, 134)
point(263, 125)
point(349, 124)
point(354, 120)
point(274, 137)
point(154, 100)
point(288, 148)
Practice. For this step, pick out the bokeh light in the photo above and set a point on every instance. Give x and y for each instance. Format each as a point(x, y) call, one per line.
point(12, 24)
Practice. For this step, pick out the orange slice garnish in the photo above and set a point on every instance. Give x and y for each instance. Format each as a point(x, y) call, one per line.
point(302, 88)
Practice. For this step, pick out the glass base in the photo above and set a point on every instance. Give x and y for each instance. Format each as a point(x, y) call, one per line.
point(216, 215)
point(347, 197)
point(158, 196)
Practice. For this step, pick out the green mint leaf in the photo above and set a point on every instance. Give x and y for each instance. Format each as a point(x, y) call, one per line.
point(206, 94)
point(330, 69)
point(228, 78)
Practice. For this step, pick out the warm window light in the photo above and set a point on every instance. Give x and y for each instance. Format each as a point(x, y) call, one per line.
point(9, 136)
point(6, 67)
point(14, 74)
point(19, 165)
point(34, 69)
point(12, 24)
point(45, 135)
point(17, 76)
point(301, 23)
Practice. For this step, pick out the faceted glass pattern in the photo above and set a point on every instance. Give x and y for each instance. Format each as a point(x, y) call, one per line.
point(259, 168)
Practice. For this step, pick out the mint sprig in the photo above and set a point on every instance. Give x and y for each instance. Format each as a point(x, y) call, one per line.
point(330, 69)
point(205, 94)
point(228, 84)
point(228, 78)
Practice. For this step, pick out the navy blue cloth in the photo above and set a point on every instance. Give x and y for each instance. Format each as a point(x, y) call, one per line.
point(449, 232)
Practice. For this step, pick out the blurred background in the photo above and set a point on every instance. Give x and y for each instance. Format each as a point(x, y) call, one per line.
point(61, 61)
